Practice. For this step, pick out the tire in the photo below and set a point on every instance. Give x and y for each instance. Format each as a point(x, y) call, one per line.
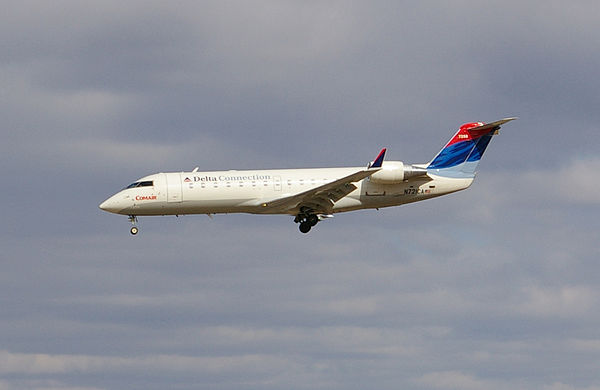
point(134, 230)
point(312, 219)
point(304, 227)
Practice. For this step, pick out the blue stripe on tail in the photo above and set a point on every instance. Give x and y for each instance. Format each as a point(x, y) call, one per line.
point(452, 155)
point(461, 155)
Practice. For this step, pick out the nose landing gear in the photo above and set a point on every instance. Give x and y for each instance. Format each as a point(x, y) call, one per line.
point(134, 229)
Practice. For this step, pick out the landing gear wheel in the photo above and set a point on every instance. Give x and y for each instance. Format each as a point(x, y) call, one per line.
point(304, 227)
point(134, 230)
point(312, 219)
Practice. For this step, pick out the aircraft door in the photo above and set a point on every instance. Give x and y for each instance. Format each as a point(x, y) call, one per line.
point(174, 190)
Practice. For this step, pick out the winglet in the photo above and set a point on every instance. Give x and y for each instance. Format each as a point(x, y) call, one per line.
point(379, 160)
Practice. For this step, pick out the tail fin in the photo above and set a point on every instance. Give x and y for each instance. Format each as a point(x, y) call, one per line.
point(461, 155)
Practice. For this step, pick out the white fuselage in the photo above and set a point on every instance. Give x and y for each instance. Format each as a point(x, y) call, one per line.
point(244, 191)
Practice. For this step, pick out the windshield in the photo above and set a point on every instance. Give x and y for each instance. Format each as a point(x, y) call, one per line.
point(140, 184)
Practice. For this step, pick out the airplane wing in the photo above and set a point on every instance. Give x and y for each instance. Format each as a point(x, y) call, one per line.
point(319, 199)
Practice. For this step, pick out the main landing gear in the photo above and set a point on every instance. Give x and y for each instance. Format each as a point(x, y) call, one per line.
point(134, 229)
point(306, 221)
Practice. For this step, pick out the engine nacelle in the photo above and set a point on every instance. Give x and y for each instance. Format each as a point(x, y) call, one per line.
point(394, 172)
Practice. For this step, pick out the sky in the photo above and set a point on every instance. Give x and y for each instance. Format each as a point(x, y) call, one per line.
point(495, 287)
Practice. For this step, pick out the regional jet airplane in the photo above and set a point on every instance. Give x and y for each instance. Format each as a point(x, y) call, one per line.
point(309, 195)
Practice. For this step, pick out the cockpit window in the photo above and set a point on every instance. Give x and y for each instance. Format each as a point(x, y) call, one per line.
point(141, 184)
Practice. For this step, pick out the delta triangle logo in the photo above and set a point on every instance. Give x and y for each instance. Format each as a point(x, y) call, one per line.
point(187, 180)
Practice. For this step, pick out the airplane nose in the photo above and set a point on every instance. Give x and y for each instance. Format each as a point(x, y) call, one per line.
point(104, 205)
point(111, 205)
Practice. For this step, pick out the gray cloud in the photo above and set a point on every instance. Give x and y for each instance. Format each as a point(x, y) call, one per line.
point(493, 287)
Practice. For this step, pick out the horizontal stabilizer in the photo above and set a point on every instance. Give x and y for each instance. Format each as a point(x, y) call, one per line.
point(495, 125)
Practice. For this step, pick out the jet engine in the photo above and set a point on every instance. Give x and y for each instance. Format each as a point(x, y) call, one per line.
point(394, 172)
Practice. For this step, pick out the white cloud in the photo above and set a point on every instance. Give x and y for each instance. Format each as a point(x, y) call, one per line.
point(585, 345)
point(575, 181)
point(453, 380)
point(544, 190)
point(564, 386)
point(27, 363)
point(562, 302)
point(33, 384)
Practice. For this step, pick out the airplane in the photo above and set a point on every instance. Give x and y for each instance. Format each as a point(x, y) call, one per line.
point(309, 195)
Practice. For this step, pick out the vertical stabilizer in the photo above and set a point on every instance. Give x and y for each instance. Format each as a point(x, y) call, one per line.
point(461, 155)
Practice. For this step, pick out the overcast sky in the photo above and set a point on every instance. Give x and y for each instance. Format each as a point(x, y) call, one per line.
point(495, 287)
